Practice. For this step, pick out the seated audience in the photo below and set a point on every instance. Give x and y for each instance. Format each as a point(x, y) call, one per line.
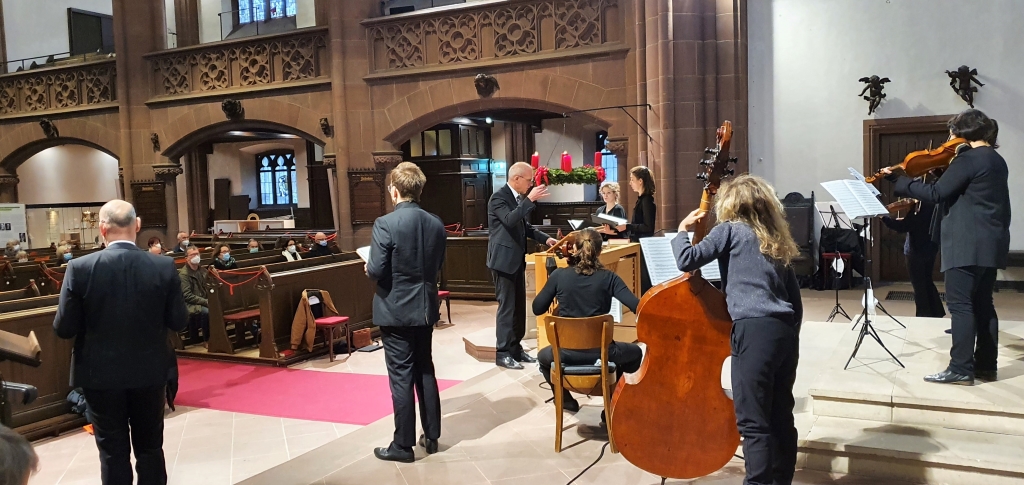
point(155, 246)
point(320, 247)
point(254, 246)
point(193, 288)
point(222, 257)
point(11, 251)
point(182, 245)
point(291, 252)
point(64, 254)
point(585, 289)
point(18, 461)
point(22, 257)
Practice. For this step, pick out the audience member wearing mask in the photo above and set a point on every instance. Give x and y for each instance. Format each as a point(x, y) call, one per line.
point(222, 258)
point(291, 252)
point(320, 246)
point(182, 245)
point(64, 254)
point(254, 246)
point(11, 251)
point(22, 257)
point(155, 246)
point(193, 289)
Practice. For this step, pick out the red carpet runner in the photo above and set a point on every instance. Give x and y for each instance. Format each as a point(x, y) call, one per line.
point(286, 393)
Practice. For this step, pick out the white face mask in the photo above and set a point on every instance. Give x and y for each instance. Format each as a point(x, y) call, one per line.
point(194, 260)
point(184, 243)
point(17, 247)
point(291, 249)
point(158, 246)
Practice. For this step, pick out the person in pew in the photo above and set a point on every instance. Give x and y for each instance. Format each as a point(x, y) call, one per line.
point(754, 249)
point(18, 461)
point(64, 254)
point(320, 247)
point(254, 246)
point(222, 257)
point(11, 251)
point(182, 246)
point(610, 195)
point(118, 304)
point(22, 257)
point(291, 251)
point(193, 290)
point(407, 250)
point(586, 289)
point(155, 246)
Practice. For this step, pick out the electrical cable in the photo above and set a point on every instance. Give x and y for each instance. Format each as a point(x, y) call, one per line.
point(604, 447)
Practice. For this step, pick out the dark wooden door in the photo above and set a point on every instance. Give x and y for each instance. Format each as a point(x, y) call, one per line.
point(892, 149)
point(475, 192)
point(321, 212)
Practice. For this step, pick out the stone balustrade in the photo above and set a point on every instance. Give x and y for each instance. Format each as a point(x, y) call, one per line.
point(74, 87)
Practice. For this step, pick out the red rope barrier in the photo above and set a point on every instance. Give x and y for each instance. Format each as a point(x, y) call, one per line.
point(231, 286)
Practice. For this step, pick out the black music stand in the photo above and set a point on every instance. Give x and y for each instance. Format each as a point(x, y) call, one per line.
point(838, 309)
point(866, 329)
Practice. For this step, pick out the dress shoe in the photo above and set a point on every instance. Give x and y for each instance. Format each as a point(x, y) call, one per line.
point(949, 331)
point(949, 377)
point(524, 358)
point(429, 445)
point(570, 404)
point(985, 375)
point(394, 453)
point(508, 362)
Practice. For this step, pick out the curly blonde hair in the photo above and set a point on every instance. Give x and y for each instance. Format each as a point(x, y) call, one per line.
point(751, 200)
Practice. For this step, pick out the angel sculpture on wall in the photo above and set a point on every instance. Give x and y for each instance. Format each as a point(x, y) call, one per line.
point(874, 87)
point(960, 80)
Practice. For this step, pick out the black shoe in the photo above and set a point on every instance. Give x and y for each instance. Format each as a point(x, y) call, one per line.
point(393, 453)
point(507, 362)
point(949, 377)
point(429, 445)
point(602, 417)
point(985, 375)
point(570, 404)
point(949, 331)
point(524, 358)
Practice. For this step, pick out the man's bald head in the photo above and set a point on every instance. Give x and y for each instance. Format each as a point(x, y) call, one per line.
point(520, 177)
point(118, 221)
point(320, 238)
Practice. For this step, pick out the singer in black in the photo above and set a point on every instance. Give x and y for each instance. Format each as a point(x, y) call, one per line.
point(920, 251)
point(973, 199)
point(644, 214)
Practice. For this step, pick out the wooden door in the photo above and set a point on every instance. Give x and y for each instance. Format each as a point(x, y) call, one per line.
point(892, 149)
point(475, 193)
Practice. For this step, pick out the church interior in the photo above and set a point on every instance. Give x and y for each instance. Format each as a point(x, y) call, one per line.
point(268, 130)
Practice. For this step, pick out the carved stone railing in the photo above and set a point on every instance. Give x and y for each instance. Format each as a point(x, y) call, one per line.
point(490, 32)
point(76, 87)
point(291, 59)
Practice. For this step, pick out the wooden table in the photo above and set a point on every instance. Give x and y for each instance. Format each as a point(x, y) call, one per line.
point(623, 259)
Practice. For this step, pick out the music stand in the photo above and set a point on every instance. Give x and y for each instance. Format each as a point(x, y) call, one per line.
point(838, 309)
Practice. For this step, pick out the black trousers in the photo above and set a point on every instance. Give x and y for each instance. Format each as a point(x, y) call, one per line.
point(626, 357)
point(510, 322)
point(764, 358)
point(975, 323)
point(197, 322)
point(926, 296)
point(407, 353)
point(125, 420)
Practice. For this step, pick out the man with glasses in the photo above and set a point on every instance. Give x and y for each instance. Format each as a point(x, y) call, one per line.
point(508, 211)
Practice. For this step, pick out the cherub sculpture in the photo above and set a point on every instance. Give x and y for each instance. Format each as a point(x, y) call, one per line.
point(960, 80)
point(874, 89)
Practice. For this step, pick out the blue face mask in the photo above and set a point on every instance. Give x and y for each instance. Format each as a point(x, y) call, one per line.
point(226, 256)
point(254, 250)
point(67, 256)
point(322, 243)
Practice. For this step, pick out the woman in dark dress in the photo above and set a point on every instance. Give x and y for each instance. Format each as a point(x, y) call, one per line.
point(610, 196)
point(644, 214)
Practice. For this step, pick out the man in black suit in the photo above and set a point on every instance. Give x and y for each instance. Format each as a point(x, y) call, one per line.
point(406, 254)
point(118, 305)
point(507, 213)
point(973, 198)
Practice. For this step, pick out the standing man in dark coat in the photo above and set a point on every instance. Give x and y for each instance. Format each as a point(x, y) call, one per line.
point(406, 254)
point(118, 305)
point(508, 211)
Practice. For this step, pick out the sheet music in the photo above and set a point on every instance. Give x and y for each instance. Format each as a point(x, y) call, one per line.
point(575, 224)
point(710, 271)
point(855, 198)
point(661, 262)
point(857, 175)
point(615, 221)
point(616, 311)
point(364, 252)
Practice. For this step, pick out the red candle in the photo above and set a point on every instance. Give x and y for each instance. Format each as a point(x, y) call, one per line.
point(597, 159)
point(535, 160)
point(566, 162)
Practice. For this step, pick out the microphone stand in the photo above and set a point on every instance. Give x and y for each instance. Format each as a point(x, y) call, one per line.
point(838, 309)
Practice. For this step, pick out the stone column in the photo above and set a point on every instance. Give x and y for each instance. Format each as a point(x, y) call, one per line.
point(168, 174)
point(339, 113)
point(8, 188)
point(331, 162)
point(386, 161)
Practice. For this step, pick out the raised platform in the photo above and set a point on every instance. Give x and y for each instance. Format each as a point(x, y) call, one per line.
point(878, 419)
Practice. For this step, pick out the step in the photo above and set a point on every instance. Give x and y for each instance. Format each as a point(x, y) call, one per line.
point(920, 454)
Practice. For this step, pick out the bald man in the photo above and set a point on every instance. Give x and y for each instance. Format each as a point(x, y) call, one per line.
point(320, 247)
point(508, 213)
point(118, 305)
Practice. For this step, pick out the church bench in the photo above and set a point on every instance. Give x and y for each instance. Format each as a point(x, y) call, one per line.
point(28, 292)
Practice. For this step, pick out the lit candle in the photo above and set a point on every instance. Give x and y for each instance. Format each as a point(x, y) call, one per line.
point(535, 160)
point(597, 159)
point(566, 162)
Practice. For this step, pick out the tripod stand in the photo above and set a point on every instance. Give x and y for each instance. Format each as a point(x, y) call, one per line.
point(838, 309)
point(866, 329)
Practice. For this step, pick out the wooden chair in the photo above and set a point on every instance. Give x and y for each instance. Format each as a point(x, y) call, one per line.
point(581, 334)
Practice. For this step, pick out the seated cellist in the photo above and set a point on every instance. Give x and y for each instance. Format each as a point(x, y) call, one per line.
point(585, 289)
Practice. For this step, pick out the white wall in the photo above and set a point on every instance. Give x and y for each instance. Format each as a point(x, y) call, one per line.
point(67, 174)
point(571, 135)
point(305, 13)
point(805, 56)
point(210, 22)
point(237, 162)
point(40, 27)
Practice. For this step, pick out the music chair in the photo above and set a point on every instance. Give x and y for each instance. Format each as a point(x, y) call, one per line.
point(328, 324)
point(244, 320)
point(581, 334)
point(446, 296)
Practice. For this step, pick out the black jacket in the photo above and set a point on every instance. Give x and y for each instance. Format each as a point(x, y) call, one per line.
point(508, 231)
point(406, 254)
point(617, 211)
point(118, 305)
point(974, 200)
point(644, 214)
point(918, 229)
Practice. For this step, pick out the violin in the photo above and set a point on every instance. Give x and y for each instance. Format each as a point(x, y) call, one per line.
point(903, 208)
point(674, 420)
point(921, 162)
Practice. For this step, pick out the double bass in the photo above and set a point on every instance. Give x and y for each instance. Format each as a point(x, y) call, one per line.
point(676, 421)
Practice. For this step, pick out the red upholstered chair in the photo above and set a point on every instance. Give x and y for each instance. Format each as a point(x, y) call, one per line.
point(446, 296)
point(245, 319)
point(328, 324)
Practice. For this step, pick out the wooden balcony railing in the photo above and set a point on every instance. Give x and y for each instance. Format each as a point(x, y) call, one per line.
point(75, 87)
point(291, 59)
point(490, 32)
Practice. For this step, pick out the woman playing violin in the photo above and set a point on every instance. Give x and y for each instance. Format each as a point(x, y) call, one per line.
point(920, 251)
point(974, 200)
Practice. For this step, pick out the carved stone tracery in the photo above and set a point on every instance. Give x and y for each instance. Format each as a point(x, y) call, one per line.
point(71, 87)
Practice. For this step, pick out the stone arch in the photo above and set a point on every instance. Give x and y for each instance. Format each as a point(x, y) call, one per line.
point(19, 142)
point(14, 160)
point(207, 132)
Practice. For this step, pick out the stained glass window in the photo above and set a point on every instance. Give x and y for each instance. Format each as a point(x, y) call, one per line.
point(259, 10)
point(276, 9)
point(256, 10)
point(244, 13)
point(278, 183)
point(290, 9)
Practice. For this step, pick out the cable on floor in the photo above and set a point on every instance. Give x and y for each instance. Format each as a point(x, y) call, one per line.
point(604, 447)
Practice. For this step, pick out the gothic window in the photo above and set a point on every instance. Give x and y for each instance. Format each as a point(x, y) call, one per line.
point(276, 9)
point(263, 10)
point(278, 183)
point(244, 12)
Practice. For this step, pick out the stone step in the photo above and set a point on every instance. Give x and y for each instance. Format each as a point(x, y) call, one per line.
point(918, 454)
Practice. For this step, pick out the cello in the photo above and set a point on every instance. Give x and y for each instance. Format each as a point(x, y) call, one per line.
point(675, 421)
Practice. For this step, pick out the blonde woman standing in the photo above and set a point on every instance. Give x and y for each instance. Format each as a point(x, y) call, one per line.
point(754, 248)
point(610, 196)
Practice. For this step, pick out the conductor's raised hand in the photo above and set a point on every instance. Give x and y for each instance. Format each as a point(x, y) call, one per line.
point(537, 193)
point(551, 241)
point(692, 220)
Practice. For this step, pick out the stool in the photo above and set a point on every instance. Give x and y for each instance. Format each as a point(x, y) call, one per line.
point(446, 296)
point(243, 320)
point(327, 325)
point(827, 258)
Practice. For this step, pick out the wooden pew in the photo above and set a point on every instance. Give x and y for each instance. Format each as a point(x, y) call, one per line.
point(28, 292)
point(19, 275)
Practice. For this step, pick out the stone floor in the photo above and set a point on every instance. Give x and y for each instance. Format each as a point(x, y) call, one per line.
point(496, 427)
